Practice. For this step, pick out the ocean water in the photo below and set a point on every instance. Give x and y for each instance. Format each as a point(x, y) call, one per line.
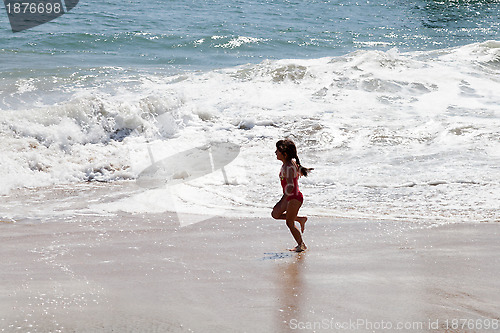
point(394, 103)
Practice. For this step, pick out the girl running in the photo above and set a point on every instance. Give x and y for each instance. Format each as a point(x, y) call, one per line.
point(288, 207)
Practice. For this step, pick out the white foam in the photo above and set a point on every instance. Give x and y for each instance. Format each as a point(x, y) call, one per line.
point(370, 117)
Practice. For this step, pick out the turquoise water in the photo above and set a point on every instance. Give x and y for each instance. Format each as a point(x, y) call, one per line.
point(394, 103)
point(223, 33)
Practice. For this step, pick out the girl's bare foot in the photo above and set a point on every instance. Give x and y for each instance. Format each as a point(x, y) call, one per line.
point(302, 220)
point(299, 248)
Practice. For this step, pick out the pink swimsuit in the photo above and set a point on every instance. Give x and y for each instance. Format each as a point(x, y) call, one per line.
point(296, 194)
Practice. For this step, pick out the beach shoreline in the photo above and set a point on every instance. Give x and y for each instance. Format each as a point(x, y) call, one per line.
point(138, 171)
point(144, 272)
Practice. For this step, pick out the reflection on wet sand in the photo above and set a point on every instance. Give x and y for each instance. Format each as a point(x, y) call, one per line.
point(290, 291)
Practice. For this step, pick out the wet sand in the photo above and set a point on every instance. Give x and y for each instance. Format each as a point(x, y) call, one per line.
point(145, 273)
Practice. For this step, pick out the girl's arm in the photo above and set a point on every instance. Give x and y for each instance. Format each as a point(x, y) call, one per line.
point(290, 173)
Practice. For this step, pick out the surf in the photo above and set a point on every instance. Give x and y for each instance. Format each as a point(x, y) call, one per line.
point(382, 118)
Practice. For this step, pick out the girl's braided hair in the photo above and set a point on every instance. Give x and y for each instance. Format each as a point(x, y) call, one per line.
point(288, 147)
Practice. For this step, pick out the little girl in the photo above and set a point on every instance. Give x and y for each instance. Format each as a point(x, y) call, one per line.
point(288, 207)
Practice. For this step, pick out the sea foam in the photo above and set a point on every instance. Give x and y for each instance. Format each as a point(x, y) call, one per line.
point(369, 122)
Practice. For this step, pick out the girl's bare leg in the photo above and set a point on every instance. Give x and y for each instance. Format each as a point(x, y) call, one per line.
point(288, 210)
point(302, 221)
point(279, 213)
point(291, 215)
point(279, 209)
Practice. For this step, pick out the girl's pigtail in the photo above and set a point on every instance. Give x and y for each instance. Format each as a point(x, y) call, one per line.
point(303, 171)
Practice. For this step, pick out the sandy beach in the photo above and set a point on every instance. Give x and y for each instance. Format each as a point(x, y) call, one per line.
point(146, 273)
point(140, 162)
